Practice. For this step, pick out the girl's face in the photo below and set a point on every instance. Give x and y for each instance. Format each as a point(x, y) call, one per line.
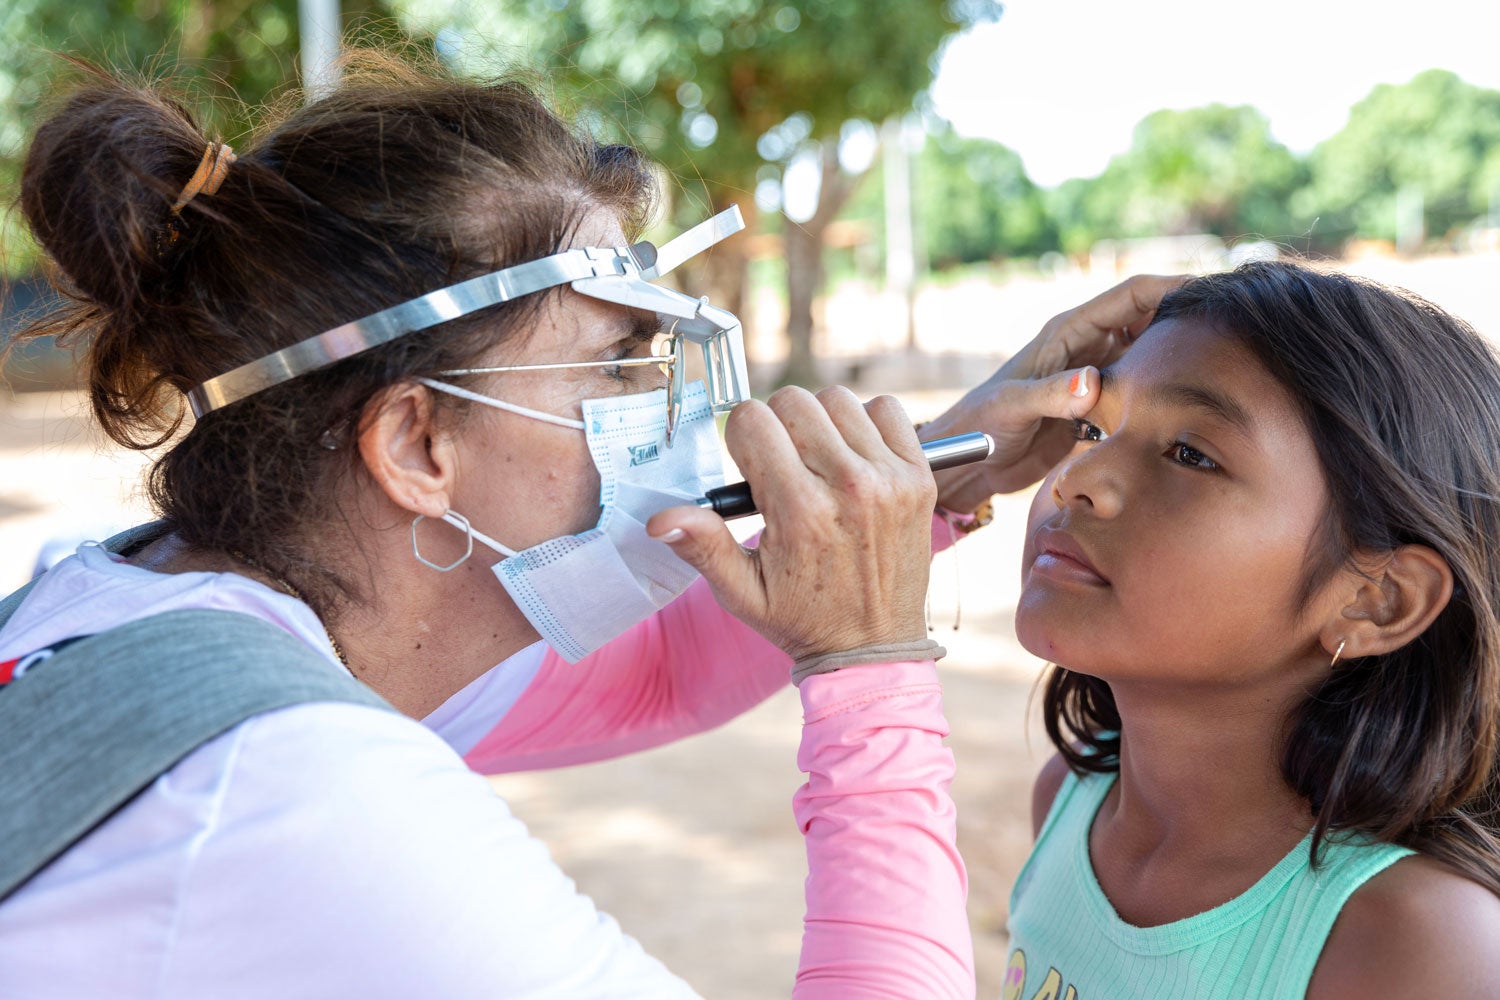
point(1171, 542)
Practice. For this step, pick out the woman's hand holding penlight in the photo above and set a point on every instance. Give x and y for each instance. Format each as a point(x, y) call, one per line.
point(847, 497)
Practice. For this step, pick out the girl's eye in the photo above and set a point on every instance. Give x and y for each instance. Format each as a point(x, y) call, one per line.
point(1085, 431)
point(1192, 458)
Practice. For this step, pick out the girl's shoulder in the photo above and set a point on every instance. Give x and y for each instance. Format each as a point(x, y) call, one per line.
point(1044, 791)
point(1050, 782)
point(1419, 928)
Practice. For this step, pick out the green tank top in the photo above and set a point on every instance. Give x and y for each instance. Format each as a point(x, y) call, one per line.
point(1067, 942)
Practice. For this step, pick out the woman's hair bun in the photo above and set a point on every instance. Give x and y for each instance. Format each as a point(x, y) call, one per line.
point(98, 184)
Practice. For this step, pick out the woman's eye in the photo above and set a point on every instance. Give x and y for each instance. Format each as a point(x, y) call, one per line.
point(1085, 431)
point(1187, 455)
point(616, 372)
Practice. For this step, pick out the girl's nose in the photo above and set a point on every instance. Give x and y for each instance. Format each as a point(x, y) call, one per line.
point(1087, 479)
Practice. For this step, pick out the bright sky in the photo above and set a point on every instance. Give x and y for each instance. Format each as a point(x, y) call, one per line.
point(1064, 82)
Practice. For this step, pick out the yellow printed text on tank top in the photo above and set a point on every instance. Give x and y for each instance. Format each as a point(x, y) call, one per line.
point(1050, 988)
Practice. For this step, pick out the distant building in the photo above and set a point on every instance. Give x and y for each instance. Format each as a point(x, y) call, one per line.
point(1195, 253)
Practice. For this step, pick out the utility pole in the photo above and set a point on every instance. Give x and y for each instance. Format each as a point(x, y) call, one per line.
point(900, 249)
point(318, 23)
point(1410, 220)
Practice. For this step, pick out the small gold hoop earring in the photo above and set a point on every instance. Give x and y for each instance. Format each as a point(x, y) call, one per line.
point(1336, 654)
point(468, 538)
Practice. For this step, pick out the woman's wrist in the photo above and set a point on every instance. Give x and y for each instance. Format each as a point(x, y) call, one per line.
point(889, 652)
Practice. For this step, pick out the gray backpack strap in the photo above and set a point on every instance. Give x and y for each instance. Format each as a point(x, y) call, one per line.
point(9, 604)
point(85, 731)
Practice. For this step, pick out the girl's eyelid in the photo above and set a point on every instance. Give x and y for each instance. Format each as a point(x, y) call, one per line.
point(1082, 426)
point(1203, 448)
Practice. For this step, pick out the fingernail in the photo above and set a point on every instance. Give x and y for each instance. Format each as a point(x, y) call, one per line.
point(675, 535)
point(1078, 385)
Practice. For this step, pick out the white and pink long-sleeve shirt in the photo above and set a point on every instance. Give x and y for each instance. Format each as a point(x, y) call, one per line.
point(333, 850)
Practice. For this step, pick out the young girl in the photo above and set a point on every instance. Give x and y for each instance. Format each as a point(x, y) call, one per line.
point(1267, 575)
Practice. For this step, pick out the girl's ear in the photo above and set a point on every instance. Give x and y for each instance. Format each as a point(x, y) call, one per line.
point(1396, 598)
point(409, 456)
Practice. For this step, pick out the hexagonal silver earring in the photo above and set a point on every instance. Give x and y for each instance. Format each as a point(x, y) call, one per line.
point(450, 517)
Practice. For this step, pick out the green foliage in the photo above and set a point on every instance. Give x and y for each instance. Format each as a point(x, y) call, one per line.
point(726, 93)
point(1213, 169)
point(715, 89)
point(226, 57)
point(1436, 135)
point(971, 198)
point(975, 202)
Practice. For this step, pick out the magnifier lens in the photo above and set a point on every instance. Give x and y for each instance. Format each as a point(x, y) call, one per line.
point(675, 367)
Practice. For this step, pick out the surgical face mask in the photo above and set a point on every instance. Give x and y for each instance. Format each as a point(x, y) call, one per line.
point(580, 591)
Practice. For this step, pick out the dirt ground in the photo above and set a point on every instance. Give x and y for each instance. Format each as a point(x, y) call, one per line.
point(692, 846)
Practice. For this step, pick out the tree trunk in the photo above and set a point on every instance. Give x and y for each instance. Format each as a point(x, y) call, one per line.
point(804, 278)
point(804, 268)
point(723, 272)
point(728, 265)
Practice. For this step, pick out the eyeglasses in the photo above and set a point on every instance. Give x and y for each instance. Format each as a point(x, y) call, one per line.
point(666, 352)
point(623, 275)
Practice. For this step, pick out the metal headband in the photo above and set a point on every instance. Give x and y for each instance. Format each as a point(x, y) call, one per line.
point(618, 274)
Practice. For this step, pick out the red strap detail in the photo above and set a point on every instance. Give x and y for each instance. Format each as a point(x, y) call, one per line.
point(8, 670)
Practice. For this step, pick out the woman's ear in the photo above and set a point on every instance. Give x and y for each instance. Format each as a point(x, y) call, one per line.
point(409, 456)
point(1395, 598)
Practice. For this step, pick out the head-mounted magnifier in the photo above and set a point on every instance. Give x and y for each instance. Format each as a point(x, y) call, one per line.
point(622, 275)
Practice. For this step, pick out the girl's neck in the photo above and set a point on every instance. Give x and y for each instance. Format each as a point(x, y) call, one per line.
point(1200, 811)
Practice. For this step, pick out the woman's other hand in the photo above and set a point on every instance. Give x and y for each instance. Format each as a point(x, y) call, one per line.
point(1044, 379)
point(847, 498)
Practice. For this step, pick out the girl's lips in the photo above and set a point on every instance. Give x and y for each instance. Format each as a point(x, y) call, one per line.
point(1059, 555)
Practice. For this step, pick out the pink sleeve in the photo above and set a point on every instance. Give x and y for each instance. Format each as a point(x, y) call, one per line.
point(886, 888)
point(690, 667)
point(686, 669)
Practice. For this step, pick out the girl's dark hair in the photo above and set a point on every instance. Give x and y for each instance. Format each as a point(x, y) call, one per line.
point(1403, 405)
point(400, 181)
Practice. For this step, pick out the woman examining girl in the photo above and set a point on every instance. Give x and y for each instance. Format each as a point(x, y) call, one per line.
point(1268, 576)
point(351, 510)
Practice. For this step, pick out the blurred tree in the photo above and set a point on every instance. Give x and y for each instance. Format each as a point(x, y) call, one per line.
point(1067, 209)
point(976, 202)
point(973, 201)
point(1436, 136)
point(728, 95)
point(232, 55)
point(1214, 169)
